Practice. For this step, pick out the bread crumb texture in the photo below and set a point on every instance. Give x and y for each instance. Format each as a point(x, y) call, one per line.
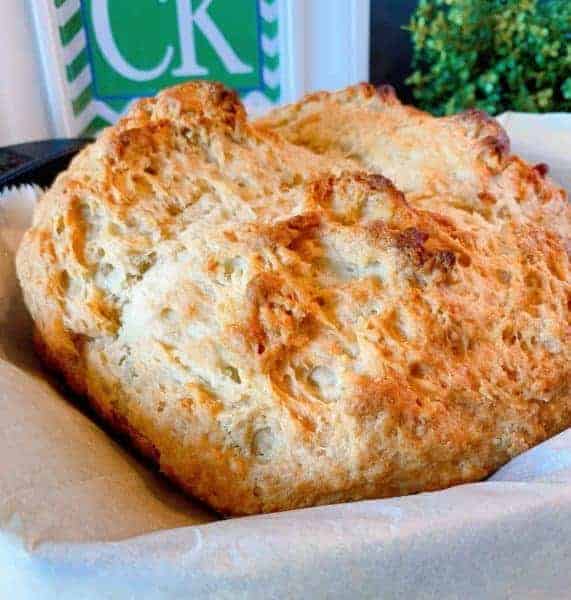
point(348, 299)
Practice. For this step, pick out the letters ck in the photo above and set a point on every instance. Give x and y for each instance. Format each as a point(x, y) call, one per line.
point(188, 19)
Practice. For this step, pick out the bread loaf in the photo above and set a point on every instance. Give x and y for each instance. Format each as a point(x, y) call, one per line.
point(281, 325)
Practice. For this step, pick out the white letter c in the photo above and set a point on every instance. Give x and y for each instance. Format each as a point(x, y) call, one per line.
point(104, 35)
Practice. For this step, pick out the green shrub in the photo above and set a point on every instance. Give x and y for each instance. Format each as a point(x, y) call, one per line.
point(492, 54)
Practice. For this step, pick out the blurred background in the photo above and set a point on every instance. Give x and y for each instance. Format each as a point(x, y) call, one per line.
point(497, 55)
point(391, 44)
point(70, 67)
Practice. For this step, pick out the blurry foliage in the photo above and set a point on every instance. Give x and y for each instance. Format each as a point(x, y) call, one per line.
point(492, 54)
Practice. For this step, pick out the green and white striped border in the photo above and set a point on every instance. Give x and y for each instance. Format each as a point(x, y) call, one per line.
point(259, 101)
point(89, 114)
point(77, 112)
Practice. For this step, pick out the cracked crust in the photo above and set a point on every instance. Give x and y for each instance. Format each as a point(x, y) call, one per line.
point(458, 165)
point(278, 328)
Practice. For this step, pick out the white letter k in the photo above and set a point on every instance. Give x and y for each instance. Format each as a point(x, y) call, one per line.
point(212, 33)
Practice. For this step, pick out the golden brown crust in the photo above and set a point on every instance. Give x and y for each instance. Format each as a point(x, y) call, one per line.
point(278, 328)
point(458, 165)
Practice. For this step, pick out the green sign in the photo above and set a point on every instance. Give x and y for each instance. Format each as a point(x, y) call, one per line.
point(133, 48)
point(140, 47)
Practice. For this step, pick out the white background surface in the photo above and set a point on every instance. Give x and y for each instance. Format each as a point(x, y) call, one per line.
point(23, 102)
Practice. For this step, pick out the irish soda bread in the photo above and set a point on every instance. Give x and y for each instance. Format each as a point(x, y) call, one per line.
point(279, 326)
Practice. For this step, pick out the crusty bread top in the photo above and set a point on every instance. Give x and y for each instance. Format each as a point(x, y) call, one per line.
point(458, 165)
point(277, 330)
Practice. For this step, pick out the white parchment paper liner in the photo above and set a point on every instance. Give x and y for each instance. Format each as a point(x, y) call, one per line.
point(80, 517)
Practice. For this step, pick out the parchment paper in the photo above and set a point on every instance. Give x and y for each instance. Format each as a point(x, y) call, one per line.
point(80, 517)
